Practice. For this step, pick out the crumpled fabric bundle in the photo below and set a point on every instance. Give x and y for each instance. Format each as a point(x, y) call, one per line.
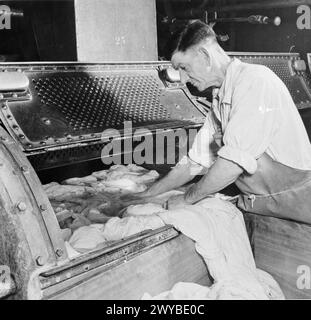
point(120, 178)
point(121, 185)
point(220, 236)
point(117, 229)
point(71, 252)
point(59, 192)
point(143, 210)
point(81, 201)
point(181, 291)
point(87, 238)
point(221, 290)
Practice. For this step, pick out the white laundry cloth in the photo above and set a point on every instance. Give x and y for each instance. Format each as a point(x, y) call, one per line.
point(87, 238)
point(143, 209)
point(71, 252)
point(219, 232)
point(117, 229)
point(181, 291)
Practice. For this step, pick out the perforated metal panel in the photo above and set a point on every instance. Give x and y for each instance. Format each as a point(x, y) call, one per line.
point(298, 83)
point(76, 103)
point(102, 101)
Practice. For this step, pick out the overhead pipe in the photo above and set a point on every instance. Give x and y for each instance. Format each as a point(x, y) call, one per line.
point(12, 13)
point(197, 13)
point(254, 19)
point(263, 5)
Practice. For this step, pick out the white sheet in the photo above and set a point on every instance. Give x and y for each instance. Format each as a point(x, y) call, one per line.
point(220, 236)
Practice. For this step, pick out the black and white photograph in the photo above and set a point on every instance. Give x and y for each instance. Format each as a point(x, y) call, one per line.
point(155, 154)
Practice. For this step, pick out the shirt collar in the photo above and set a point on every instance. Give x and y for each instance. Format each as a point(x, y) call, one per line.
point(226, 89)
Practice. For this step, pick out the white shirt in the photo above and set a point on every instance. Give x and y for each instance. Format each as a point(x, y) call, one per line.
point(255, 114)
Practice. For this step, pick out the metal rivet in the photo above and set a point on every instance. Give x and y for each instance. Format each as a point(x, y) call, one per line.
point(43, 207)
point(40, 261)
point(47, 121)
point(21, 206)
point(59, 252)
point(24, 168)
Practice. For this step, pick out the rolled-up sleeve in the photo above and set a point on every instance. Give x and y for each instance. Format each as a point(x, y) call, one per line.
point(204, 149)
point(252, 123)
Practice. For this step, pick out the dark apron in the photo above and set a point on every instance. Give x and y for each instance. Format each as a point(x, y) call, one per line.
point(276, 190)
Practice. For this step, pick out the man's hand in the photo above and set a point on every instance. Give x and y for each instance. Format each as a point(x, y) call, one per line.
point(176, 202)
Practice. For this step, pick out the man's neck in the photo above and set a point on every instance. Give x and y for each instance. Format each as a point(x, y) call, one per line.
point(222, 62)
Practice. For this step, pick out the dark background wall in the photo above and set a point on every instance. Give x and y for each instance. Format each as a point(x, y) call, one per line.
point(47, 30)
point(242, 36)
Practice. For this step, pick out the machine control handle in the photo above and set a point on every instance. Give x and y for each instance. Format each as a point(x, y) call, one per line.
point(253, 19)
point(259, 19)
point(12, 12)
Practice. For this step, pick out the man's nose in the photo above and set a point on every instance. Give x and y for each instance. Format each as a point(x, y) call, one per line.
point(183, 77)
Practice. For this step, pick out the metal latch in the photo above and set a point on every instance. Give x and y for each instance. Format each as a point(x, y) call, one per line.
point(300, 65)
point(14, 86)
point(252, 198)
point(13, 81)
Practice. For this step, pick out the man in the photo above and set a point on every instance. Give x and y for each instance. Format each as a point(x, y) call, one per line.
point(262, 143)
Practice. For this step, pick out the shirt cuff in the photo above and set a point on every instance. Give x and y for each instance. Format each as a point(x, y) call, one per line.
point(195, 168)
point(240, 157)
point(202, 158)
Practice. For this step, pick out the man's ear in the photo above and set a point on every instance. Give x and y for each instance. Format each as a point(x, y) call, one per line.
point(205, 55)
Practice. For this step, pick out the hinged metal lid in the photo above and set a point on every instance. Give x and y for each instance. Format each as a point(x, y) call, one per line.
point(55, 104)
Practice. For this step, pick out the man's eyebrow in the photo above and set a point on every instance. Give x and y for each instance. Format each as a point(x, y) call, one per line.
point(178, 65)
point(175, 65)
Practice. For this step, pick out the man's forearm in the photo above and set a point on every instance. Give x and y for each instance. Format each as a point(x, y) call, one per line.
point(221, 174)
point(177, 177)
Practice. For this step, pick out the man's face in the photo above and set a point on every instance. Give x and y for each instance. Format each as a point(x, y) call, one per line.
point(195, 68)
